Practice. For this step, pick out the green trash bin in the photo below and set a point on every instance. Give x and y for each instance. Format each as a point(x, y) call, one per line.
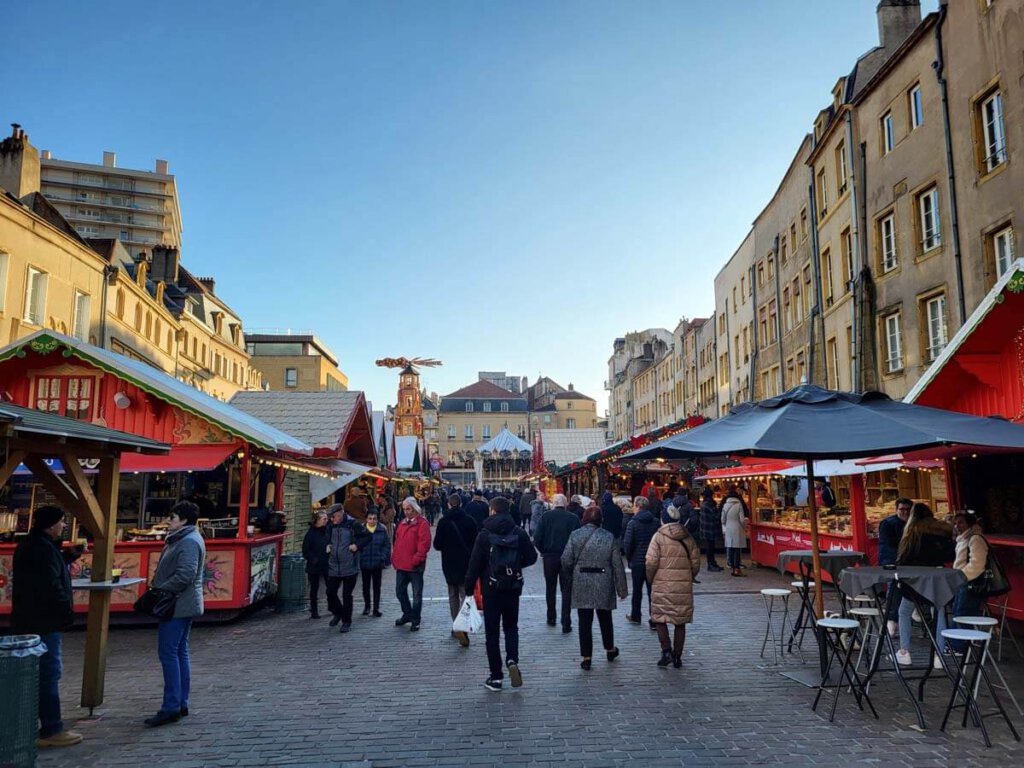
point(19, 699)
point(292, 592)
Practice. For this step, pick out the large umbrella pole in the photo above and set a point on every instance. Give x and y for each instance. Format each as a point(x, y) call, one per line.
point(819, 598)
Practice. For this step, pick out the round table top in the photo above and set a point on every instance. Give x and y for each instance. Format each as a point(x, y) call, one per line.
point(936, 585)
point(98, 586)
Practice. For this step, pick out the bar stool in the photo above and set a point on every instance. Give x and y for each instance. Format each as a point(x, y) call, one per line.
point(805, 616)
point(870, 620)
point(832, 630)
point(977, 650)
point(985, 624)
point(769, 596)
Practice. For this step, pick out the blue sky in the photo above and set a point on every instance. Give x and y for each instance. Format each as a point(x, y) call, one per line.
point(501, 185)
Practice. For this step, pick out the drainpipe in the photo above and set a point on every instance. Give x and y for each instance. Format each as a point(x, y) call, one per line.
point(754, 342)
point(778, 314)
point(109, 274)
point(816, 312)
point(940, 73)
point(728, 353)
point(854, 284)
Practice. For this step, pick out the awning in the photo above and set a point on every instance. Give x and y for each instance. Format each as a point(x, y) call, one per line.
point(749, 470)
point(182, 458)
point(347, 471)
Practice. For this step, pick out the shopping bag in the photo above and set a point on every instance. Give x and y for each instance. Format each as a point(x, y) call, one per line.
point(469, 619)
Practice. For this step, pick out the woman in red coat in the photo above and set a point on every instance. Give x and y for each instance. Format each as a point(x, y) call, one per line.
point(412, 545)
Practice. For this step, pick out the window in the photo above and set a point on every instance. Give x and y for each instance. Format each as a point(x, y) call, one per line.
point(486, 432)
point(291, 377)
point(469, 407)
point(743, 288)
point(763, 316)
point(773, 322)
point(35, 296)
point(916, 107)
point(771, 267)
point(887, 240)
point(1002, 246)
point(570, 423)
point(928, 208)
point(803, 224)
point(547, 418)
point(487, 406)
point(783, 252)
point(4, 258)
point(760, 274)
point(522, 431)
point(787, 320)
point(893, 342)
point(935, 325)
point(993, 131)
point(734, 302)
point(826, 277)
point(842, 170)
point(847, 244)
point(70, 396)
point(504, 407)
point(822, 194)
point(569, 404)
point(80, 322)
point(451, 431)
point(888, 134)
point(469, 432)
point(792, 235)
point(807, 290)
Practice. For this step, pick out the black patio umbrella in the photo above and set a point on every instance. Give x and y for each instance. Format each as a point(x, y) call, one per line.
point(811, 423)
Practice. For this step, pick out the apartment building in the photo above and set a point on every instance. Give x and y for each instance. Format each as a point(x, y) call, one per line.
point(706, 343)
point(632, 355)
point(472, 415)
point(734, 310)
point(138, 208)
point(297, 361)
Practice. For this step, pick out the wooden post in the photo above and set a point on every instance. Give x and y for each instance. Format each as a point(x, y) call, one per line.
point(819, 598)
point(279, 489)
point(244, 476)
point(95, 664)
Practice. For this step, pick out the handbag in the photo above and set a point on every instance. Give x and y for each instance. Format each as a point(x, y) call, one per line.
point(992, 582)
point(156, 602)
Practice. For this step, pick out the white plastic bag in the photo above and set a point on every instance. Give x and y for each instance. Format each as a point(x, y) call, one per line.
point(469, 618)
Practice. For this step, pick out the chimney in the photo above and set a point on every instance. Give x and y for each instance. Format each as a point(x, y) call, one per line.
point(207, 283)
point(46, 155)
point(896, 20)
point(19, 164)
point(109, 160)
point(161, 167)
point(165, 264)
point(570, 387)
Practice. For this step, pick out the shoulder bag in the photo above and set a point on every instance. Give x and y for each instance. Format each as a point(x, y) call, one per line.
point(156, 602)
point(992, 582)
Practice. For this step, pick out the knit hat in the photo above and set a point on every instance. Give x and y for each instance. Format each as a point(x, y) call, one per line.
point(46, 516)
point(672, 512)
point(709, 494)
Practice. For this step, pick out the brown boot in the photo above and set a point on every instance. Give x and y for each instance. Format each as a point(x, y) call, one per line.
point(62, 739)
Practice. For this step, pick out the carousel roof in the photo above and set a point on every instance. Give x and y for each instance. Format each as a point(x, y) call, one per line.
point(505, 441)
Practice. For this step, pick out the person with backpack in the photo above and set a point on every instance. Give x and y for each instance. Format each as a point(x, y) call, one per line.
point(456, 532)
point(501, 551)
point(592, 557)
point(550, 538)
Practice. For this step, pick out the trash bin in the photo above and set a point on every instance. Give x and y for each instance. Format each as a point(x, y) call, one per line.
point(291, 591)
point(19, 699)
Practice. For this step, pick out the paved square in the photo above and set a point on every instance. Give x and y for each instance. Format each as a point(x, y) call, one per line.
point(284, 690)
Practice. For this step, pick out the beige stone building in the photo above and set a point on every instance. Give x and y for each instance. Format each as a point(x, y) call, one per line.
point(472, 415)
point(146, 307)
point(295, 361)
point(706, 343)
point(138, 208)
point(632, 356)
point(734, 310)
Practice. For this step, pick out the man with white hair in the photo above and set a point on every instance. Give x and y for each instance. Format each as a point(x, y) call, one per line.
point(412, 545)
point(550, 538)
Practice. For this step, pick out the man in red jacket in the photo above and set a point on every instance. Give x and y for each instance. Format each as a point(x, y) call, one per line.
point(412, 545)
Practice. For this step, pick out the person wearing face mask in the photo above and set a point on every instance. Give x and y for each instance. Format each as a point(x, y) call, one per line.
point(180, 572)
point(41, 605)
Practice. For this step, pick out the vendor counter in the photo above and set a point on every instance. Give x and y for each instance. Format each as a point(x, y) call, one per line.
point(238, 573)
point(768, 541)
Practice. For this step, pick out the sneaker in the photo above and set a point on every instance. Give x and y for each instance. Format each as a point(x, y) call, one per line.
point(493, 684)
point(515, 675)
point(677, 661)
point(463, 639)
point(613, 654)
point(893, 628)
point(916, 616)
point(903, 658)
point(62, 739)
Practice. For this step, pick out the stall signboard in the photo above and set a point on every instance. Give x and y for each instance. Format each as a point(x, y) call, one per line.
point(768, 542)
point(262, 572)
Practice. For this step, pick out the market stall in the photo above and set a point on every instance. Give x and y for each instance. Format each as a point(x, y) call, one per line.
point(224, 460)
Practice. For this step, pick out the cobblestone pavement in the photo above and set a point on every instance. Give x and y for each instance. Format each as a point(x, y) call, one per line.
point(276, 689)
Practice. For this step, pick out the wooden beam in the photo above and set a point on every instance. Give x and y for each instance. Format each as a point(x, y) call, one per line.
point(75, 477)
point(14, 459)
point(94, 670)
point(65, 495)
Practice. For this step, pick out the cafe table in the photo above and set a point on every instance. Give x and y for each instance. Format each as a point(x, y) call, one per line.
point(927, 588)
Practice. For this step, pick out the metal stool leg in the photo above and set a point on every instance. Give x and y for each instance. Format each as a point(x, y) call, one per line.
point(793, 630)
point(769, 605)
point(1005, 686)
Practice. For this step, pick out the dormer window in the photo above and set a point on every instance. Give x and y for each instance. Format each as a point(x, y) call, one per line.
point(487, 406)
point(504, 407)
point(469, 407)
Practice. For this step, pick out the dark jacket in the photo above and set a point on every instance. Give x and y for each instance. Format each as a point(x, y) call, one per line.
point(499, 525)
point(710, 522)
point(375, 549)
point(890, 531)
point(454, 539)
point(478, 510)
point(639, 532)
point(42, 587)
point(524, 505)
point(576, 508)
point(554, 530)
point(611, 517)
point(180, 570)
point(314, 549)
point(342, 562)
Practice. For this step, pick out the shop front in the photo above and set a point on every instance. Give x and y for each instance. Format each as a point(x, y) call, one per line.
point(222, 459)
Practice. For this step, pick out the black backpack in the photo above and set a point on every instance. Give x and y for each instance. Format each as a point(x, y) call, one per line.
point(504, 563)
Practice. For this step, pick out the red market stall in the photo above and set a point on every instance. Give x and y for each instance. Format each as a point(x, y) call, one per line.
point(220, 457)
point(981, 372)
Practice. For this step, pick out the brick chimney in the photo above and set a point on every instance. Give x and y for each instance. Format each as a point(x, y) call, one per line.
point(19, 164)
point(207, 282)
point(896, 20)
point(165, 263)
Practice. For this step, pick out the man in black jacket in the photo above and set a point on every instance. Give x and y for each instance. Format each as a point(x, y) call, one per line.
point(454, 539)
point(501, 590)
point(42, 606)
point(550, 538)
point(477, 508)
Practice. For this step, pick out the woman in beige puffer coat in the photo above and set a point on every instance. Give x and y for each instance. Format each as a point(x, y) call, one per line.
point(673, 562)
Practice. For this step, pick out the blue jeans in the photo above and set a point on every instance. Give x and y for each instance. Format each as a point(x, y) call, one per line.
point(403, 579)
point(733, 556)
point(906, 627)
point(50, 668)
point(172, 648)
point(965, 603)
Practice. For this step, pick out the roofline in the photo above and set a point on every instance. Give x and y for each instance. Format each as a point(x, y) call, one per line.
point(778, 190)
point(898, 55)
point(54, 162)
point(830, 129)
point(748, 236)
